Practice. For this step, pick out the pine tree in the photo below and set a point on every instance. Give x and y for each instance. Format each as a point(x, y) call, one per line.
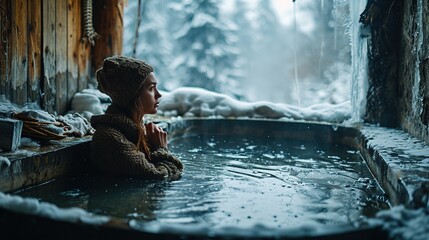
point(147, 38)
point(205, 54)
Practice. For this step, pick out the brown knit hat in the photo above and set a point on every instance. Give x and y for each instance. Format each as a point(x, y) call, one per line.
point(121, 77)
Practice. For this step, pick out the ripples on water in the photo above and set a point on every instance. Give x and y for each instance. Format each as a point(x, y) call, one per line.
point(235, 182)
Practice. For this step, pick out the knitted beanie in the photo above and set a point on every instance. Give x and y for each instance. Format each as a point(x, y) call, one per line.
point(121, 78)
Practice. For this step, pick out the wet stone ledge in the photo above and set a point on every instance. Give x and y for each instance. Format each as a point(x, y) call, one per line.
point(398, 161)
point(32, 165)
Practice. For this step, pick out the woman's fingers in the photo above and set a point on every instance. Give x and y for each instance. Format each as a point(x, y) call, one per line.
point(149, 128)
point(153, 127)
point(156, 135)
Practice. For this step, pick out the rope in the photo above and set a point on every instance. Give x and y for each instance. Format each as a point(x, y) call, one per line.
point(88, 26)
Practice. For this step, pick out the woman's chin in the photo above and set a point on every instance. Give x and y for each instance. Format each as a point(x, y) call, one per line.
point(152, 112)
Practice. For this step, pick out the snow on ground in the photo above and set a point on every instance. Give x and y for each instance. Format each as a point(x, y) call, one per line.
point(198, 102)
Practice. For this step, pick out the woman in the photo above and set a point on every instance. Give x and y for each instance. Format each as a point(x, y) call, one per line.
point(122, 145)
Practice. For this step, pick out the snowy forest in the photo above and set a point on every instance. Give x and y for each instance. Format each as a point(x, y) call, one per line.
point(284, 51)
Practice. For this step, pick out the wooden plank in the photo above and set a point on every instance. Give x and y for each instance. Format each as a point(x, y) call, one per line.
point(5, 38)
point(19, 64)
point(73, 31)
point(34, 50)
point(61, 56)
point(84, 55)
point(108, 21)
point(84, 65)
point(49, 55)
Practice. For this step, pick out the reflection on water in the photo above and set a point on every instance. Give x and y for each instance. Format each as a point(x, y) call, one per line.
point(235, 182)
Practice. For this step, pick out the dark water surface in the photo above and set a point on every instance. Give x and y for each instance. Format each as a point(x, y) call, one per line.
point(235, 181)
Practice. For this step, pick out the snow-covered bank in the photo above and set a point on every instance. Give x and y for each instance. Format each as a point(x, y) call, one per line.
point(198, 102)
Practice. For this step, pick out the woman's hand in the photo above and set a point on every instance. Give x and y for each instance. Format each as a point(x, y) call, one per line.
point(156, 136)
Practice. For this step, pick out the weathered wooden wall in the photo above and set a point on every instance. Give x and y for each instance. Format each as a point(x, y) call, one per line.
point(42, 56)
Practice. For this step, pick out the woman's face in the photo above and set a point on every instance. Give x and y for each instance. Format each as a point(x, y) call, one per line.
point(150, 95)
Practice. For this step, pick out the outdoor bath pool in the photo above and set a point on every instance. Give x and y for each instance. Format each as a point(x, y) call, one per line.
point(239, 176)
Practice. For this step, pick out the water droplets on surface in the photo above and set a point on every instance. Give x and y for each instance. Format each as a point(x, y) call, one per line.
point(224, 185)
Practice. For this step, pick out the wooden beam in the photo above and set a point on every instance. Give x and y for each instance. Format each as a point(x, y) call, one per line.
point(61, 56)
point(108, 21)
point(34, 50)
point(19, 50)
point(83, 53)
point(73, 30)
point(5, 38)
point(49, 55)
point(84, 65)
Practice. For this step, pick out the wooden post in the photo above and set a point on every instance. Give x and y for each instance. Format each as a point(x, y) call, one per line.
point(73, 29)
point(108, 21)
point(61, 50)
point(49, 55)
point(19, 57)
point(83, 54)
point(34, 50)
point(5, 21)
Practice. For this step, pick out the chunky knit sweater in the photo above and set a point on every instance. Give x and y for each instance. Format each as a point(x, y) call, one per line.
point(114, 150)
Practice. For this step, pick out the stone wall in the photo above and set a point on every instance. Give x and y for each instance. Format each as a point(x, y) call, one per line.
point(413, 74)
point(398, 65)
